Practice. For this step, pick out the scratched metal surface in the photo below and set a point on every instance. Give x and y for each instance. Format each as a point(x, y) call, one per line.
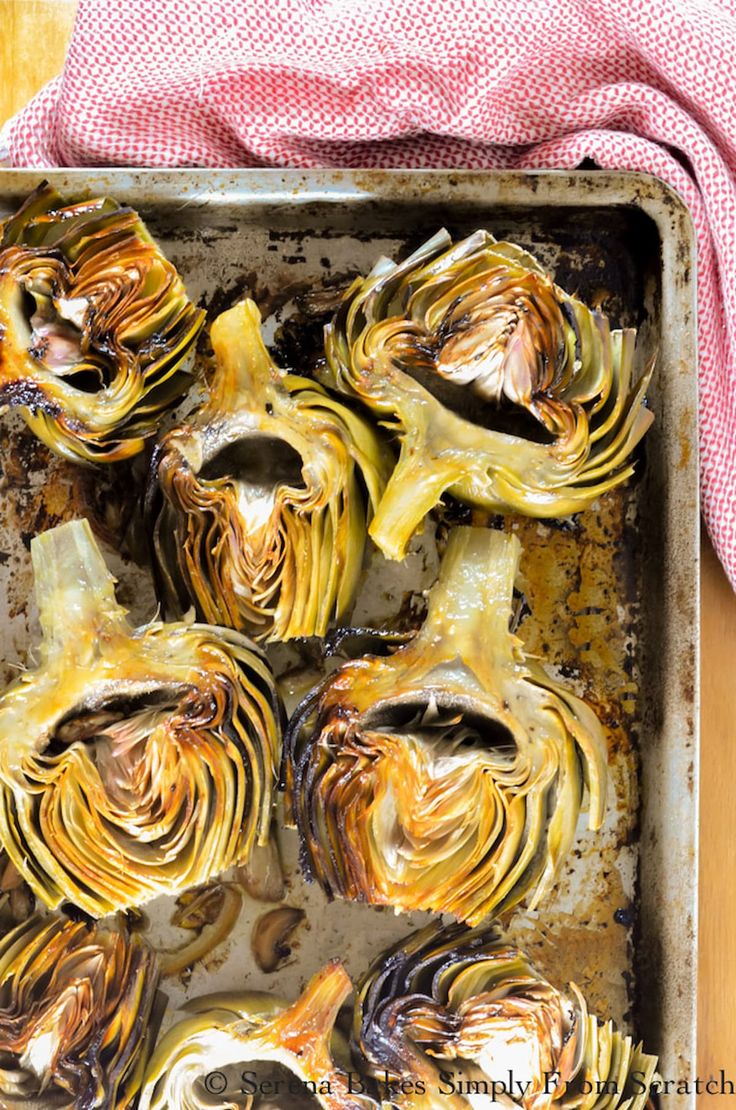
point(613, 595)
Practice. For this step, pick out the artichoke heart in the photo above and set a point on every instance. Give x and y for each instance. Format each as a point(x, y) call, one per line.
point(504, 390)
point(132, 762)
point(470, 1019)
point(228, 1045)
point(95, 326)
point(448, 776)
point(77, 1009)
point(258, 506)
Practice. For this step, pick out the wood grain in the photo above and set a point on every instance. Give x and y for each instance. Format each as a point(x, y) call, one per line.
point(717, 968)
point(34, 35)
point(33, 39)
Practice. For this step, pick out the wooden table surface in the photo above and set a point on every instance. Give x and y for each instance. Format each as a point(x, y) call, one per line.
point(33, 38)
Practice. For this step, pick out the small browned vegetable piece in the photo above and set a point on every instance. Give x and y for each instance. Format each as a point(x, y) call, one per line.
point(211, 912)
point(270, 934)
point(76, 1005)
point(95, 326)
point(262, 874)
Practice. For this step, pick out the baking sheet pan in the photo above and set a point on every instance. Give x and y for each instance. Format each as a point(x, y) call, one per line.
point(613, 594)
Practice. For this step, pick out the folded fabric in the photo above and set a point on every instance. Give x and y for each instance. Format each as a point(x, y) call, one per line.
point(647, 85)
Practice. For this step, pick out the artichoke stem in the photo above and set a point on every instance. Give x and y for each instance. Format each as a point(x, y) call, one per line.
point(310, 1020)
point(75, 591)
point(413, 490)
point(472, 598)
point(244, 366)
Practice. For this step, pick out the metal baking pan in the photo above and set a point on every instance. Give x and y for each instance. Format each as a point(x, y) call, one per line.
point(614, 593)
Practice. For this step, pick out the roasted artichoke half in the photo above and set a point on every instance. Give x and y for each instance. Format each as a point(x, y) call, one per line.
point(466, 1017)
point(503, 389)
point(76, 1009)
point(258, 506)
point(132, 762)
point(448, 776)
point(95, 326)
point(231, 1048)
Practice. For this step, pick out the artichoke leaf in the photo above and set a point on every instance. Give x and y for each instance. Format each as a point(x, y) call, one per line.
point(133, 762)
point(449, 775)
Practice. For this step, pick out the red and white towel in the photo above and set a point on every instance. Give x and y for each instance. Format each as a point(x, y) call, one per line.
point(644, 85)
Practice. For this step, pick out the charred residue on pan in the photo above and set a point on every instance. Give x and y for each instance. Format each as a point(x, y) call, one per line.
point(298, 342)
point(270, 297)
point(580, 585)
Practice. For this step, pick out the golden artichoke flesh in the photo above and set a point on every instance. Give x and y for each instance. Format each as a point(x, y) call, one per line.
point(230, 1044)
point(258, 511)
point(468, 1017)
point(448, 776)
point(76, 1009)
point(504, 390)
point(95, 326)
point(132, 762)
